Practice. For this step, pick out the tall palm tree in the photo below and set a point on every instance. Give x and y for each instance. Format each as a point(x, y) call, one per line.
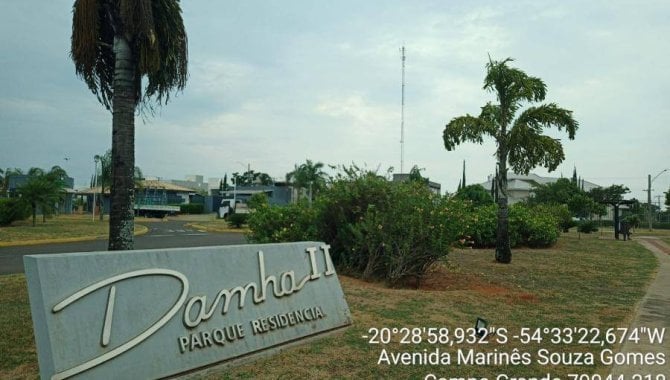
point(103, 177)
point(9, 172)
point(308, 175)
point(115, 43)
point(43, 189)
point(519, 141)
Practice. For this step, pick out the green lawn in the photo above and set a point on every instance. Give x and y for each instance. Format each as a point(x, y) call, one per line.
point(56, 229)
point(581, 282)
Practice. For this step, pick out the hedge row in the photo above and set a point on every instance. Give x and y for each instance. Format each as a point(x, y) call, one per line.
point(12, 209)
point(192, 208)
point(537, 226)
point(390, 231)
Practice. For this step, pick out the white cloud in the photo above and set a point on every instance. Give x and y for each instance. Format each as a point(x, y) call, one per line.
point(272, 84)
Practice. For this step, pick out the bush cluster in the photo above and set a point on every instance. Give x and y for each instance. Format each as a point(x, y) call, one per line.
point(12, 209)
point(394, 236)
point(275, 224)
point(587, 226)
point(536, 226)
point(237, 220)
point(192, 208)
point(394, 231)
point(377, 229)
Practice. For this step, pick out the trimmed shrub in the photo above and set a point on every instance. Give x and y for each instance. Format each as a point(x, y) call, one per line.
point(402, 241)
point(12, 209)
point(532, 226)
point(278, 224)
point(537, 226)
point(237, 220)
point(587, 226)
point(482, 223)
point(192, 208)
point(340, 210)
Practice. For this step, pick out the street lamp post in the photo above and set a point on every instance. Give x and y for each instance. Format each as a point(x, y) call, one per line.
point(649, 182)
point(95, 182)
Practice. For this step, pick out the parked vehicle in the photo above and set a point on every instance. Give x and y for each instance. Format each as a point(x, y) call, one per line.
point(232, 206)
point(156, 211)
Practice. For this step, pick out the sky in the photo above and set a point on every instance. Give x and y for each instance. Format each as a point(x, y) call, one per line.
point(273, 83)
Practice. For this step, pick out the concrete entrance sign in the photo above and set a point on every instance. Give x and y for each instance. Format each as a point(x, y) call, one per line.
point(157, 313)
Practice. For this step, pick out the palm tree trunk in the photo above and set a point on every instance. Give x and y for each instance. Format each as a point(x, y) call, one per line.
point(503, 250)
point(121, 216)
point(101, 204)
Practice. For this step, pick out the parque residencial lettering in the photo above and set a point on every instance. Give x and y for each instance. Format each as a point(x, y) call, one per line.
point(196, 308)
point(222, 336)
point(279, 321)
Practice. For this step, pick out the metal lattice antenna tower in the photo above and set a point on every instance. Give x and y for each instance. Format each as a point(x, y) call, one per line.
point(402, 114)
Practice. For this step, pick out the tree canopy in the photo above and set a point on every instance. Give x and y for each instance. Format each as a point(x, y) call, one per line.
point(250, 178)
point(520, 142)
point(308, 175)
point(477, 194)
point(156, 36)
point(612, 194)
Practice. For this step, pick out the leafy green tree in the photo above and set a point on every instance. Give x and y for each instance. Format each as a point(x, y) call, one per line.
point(115, 44)
point(257, 201)
point(581, 205)
point(308, 176)
point(566, 192)
point(251, 177)
point(667, 198)
point(558, 192)
point(520, 142)
point(477, 194)
point(610, 194)
point(43, 190)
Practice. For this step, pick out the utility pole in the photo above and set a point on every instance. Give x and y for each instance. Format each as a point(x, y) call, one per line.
point(402, 115)
point(649, 182)
point(649, 200)
point(95, 183)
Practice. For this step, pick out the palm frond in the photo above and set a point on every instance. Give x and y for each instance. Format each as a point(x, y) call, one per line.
point(512, 85)
point(85, 34)
point(173, 51)
point(156, 33)
point(468, 128)
point(528, 149)
point(546, 116)
point(91, 48)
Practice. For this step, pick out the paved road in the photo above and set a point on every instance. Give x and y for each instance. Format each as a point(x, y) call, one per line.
point(169, 234)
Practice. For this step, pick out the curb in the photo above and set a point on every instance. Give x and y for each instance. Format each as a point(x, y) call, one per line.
point(200, 227)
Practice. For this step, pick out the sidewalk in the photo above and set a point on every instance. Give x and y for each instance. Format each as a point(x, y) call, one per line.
point(653, 312)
